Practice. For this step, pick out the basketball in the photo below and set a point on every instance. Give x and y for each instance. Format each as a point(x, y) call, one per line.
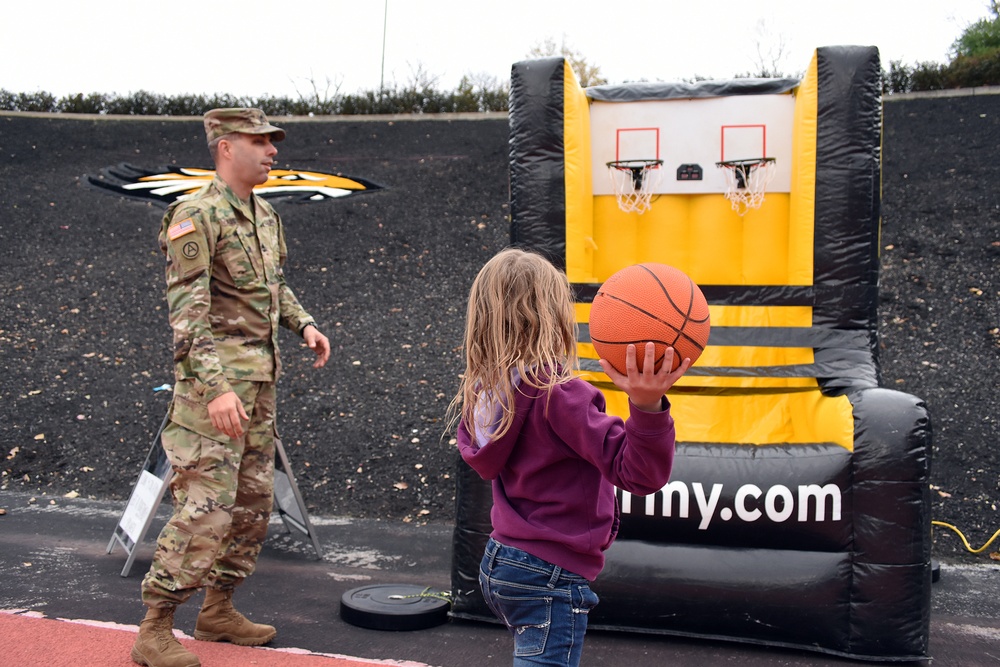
point(649, 303)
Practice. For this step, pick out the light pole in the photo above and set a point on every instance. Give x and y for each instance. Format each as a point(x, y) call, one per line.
point(385, 21)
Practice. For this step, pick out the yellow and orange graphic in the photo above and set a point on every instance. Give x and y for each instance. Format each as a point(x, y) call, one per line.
point(172, 183)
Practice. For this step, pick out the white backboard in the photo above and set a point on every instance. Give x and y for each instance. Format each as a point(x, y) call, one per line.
point(698, 132)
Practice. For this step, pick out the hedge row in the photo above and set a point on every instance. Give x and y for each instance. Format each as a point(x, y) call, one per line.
point(962, 72)
point(408, 100)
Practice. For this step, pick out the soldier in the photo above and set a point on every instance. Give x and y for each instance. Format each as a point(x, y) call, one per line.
point(227, 296)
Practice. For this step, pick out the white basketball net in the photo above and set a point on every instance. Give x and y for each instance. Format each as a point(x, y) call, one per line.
point(746, 182)
point(633, 182)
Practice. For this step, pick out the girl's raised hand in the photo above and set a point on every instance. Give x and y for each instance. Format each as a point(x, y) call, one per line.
point(646, 388)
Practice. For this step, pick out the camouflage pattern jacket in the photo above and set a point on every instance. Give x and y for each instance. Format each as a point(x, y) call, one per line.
point(226, 291)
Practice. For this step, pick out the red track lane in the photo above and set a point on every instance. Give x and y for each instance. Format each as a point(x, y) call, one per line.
point(33, 641)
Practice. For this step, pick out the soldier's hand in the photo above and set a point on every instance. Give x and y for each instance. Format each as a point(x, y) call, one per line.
point(227, 414)
point(319, 344)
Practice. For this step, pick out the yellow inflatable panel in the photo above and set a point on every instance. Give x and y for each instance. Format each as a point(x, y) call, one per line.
point(797, 417)
point(702, 236)
point(579, 190)
point(802, 207)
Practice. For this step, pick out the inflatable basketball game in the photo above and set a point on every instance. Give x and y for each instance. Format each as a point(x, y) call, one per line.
point(798, 512)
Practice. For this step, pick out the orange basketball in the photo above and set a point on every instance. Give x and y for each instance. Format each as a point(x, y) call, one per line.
point(649, 303)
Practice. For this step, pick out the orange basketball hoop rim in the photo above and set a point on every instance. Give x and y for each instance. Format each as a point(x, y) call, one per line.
point(633, 182)
point(747, 181)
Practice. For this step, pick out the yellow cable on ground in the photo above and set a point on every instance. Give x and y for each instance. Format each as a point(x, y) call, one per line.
point(967, 545)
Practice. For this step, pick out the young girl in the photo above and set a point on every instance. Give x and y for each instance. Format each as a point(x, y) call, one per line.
point(554, 456)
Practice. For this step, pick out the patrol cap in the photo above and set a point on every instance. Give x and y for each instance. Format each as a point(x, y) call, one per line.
point(248, 121)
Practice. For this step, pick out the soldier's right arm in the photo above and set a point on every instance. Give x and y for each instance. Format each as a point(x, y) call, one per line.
point(188, 238)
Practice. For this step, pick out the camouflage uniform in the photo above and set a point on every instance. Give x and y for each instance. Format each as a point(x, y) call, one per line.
point(227, 297)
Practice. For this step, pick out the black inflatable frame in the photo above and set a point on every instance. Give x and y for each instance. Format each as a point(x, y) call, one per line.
point(858, 587)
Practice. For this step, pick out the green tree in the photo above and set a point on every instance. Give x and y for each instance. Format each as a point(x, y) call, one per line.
point(589, 75)
point(982, 37)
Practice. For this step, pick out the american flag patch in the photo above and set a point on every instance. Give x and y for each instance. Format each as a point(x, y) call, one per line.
point(179, 229)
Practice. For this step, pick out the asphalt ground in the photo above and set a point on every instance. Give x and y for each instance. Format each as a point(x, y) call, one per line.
point(54, 560)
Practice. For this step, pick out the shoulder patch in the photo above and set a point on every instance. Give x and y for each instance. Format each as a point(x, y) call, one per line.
point(179, 229)
point(186, 243)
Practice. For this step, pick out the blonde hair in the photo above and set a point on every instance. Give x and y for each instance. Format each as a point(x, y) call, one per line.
point(520, 317)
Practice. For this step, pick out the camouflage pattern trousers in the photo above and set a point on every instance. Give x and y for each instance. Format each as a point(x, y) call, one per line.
point(223, 491)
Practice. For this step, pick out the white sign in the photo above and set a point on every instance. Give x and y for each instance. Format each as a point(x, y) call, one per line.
point(147, 493)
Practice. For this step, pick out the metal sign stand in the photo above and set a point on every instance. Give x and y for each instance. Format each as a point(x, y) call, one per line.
point(144, 500)
point(154, 479)
point(288, 501)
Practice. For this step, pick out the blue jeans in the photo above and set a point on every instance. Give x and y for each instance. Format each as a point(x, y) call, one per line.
point(544, 607)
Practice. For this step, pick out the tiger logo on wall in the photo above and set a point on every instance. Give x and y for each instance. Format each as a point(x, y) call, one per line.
point(166, 185)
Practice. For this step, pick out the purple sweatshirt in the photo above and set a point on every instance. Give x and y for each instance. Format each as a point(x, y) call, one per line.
point(555, 470)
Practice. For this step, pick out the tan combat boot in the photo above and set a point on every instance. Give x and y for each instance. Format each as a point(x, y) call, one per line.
point(219, 621)
point(156, 645)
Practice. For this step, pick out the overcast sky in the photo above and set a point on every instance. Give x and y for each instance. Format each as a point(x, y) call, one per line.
point(285, 48)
